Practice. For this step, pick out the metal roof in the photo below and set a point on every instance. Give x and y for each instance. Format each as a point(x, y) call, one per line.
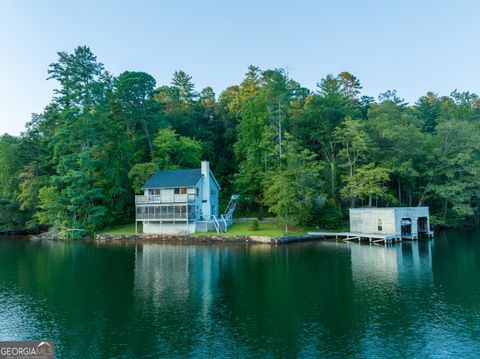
point(383, 208)
point(174, 178)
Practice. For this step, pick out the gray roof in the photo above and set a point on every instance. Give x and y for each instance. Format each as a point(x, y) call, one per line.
point(382, 208)
point(174, 178)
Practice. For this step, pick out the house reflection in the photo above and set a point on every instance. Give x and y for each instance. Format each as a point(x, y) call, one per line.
point(175, 273)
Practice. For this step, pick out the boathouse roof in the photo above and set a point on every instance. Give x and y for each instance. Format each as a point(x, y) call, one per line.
point(386, 208)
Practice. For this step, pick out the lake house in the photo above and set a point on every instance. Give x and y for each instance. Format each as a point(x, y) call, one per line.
point(403, 222)
point(182, 201)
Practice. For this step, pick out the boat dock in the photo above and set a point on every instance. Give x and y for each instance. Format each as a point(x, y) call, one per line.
point(361, 237)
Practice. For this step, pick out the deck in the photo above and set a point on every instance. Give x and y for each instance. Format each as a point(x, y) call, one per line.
point(360, 237)
point(368, 237)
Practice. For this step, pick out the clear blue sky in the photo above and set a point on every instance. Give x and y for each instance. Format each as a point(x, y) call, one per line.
point(410, 46)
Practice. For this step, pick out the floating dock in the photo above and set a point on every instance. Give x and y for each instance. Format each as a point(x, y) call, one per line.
point(361, 237)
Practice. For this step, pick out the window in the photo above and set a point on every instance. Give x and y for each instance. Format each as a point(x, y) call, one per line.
point(191, 212)
point(213, 192)
point(176, 191)
point(183, 191)
point(379, 225)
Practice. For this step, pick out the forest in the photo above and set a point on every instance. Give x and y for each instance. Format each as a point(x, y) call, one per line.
point(301, 155)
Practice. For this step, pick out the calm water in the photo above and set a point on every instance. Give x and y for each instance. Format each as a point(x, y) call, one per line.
point(323, 299)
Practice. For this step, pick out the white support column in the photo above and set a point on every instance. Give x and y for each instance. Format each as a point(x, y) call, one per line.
point(186, 212)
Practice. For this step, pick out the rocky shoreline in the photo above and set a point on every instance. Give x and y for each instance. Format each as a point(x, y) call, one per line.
point(165, 238)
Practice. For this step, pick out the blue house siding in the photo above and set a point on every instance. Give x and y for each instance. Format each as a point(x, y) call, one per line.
point(175, 201)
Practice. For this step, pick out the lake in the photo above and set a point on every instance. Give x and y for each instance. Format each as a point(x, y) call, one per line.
point(323, 299)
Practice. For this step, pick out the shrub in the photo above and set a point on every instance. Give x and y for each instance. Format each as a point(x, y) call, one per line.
point(254, 226)
point(329, 216)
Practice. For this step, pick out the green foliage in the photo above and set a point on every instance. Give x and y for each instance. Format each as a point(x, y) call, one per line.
point(79, 163)
point(140, 173)
point(72, 202)
point(134, 107)
point(174, 151)
point(262, 102)
point(290, 190)
point(355, 143)
point(254, 225)
point(453, 168)
point(9, 166)
point(366, 183)
point(327, 216)
point(184, 86)
point(322, 113)
point(11, 216)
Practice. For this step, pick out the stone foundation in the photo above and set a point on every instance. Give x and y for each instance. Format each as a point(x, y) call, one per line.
point(167, 238)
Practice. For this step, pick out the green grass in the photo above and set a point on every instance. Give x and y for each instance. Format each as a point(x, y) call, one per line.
point(339, 229)
point(265, 229)
point(236, 229)
point(126, 229)
point(252, 214)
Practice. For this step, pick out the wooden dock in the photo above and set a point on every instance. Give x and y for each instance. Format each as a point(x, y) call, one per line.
point(360, 237)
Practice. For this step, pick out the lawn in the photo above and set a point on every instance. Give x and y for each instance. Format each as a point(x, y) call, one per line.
point(126, 229)
point(236, 229)
point(265, 229)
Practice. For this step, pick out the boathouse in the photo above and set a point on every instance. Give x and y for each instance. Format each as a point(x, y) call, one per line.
point(403, 222)
point(384, 225)
point(182, 201)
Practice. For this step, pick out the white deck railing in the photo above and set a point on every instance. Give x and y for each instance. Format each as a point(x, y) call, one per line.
point(175, 198)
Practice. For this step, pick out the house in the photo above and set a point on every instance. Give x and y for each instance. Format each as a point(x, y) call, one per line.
point(182, 201)
point(404, 222)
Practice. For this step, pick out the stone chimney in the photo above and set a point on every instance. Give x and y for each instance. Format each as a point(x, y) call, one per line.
point(206, 205)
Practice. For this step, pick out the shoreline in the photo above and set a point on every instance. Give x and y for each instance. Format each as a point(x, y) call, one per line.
point(193, 239)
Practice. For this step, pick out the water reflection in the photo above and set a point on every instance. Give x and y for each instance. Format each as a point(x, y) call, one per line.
point(326, 299)
point(371, 262)
point(245, 299)
point(411, 261)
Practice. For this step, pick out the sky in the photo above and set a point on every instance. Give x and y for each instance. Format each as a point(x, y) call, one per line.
point(411, 46)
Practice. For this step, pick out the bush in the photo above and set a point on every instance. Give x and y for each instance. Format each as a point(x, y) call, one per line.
point(329, 216)
point(254, 226)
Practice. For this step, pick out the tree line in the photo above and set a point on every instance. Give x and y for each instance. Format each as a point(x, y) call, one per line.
point(302, 155)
